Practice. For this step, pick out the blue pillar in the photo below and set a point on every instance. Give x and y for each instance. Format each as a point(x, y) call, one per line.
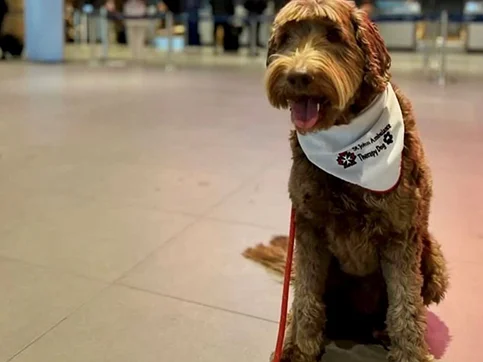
point(44, 30)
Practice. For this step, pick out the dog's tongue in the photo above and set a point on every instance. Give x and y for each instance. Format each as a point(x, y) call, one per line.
point(304, 114)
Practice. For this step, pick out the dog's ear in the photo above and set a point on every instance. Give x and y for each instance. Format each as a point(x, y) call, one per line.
point(272, 48)
point(377, 58)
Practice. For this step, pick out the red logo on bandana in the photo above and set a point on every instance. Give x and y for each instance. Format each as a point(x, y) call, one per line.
point(346, 159)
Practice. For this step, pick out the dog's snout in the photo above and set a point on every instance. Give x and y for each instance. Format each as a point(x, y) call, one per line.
point(299, 79)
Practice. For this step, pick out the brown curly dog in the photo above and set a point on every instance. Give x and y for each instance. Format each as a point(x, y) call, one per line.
point(359, 183)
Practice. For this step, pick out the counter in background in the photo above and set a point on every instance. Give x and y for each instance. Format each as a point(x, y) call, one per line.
point(473, 14)
point(398, 22)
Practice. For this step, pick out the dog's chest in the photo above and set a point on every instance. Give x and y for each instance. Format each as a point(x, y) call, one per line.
point(353, 227)
point(355, 250)
point(353, 235)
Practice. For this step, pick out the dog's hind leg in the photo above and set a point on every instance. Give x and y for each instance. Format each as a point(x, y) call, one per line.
point(406, 314)
point(436, 279)
point(434, 270)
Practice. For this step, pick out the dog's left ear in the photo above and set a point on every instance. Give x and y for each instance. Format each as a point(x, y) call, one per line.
point(272, 48)
point(377, 58)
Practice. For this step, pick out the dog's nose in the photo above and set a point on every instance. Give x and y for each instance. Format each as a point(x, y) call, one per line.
point(299, 79)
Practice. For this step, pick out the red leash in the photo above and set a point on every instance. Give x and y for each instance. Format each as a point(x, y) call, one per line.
point(285, 294)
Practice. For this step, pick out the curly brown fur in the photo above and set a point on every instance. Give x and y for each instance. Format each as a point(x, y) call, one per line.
point(356, 307)
point(359, 253)
point(271, 256)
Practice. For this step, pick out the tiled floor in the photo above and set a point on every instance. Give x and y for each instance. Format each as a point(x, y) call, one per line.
point(128, 194)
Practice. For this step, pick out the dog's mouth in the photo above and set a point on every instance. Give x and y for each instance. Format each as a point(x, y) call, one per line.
point(306, 111)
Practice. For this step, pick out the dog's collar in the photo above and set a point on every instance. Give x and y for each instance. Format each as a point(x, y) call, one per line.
point(368, 151)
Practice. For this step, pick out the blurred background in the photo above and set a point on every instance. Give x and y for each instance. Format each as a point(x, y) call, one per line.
point(97, 30)
point(139, 157)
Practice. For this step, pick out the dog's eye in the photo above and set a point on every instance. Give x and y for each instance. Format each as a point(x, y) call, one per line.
point(334, 35)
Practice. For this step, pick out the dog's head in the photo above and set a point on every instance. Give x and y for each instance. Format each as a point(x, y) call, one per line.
point(326, 61)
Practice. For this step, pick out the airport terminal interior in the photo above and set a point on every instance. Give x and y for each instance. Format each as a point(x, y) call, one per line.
point(132, 181)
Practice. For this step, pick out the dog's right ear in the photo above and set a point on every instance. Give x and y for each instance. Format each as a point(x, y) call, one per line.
point(377, 58)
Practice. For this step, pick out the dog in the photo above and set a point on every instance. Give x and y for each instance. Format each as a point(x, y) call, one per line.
point(359, 184)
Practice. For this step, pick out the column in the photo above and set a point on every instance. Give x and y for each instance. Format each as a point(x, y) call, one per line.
point(44, 30)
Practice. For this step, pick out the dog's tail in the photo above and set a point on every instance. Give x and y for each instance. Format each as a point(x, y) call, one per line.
point(271, 256)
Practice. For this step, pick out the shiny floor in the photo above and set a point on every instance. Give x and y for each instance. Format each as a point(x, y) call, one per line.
point(128, 194)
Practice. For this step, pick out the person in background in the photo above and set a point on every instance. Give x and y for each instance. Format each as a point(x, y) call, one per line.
point(192, 8)
point(136, 28)
point(279, 4)
point(3, 13)
point(256, 8)
point(367, 6)
point(110, 5)
point(221, 9)
point(175, 6)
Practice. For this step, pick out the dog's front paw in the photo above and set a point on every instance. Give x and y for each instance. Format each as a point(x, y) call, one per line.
point(310, 342)
point(396, 355)
point(287, 356)
point(293, 354)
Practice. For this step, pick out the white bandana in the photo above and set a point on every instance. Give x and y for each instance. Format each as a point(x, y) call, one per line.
point(368, 151)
